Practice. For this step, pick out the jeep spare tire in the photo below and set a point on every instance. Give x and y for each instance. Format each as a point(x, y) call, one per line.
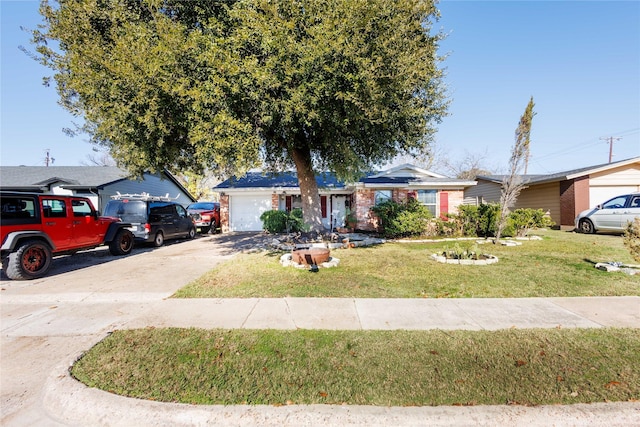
point(31, 260)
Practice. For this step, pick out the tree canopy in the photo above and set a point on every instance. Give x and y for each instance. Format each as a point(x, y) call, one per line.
point(223, 85)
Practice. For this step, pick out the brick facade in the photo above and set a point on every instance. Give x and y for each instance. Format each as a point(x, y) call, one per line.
point(224, 213)
point(364, 200)
point(456, 198)
point(574, 198)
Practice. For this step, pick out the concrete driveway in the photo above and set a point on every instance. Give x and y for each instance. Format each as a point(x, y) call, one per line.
point(84, 296)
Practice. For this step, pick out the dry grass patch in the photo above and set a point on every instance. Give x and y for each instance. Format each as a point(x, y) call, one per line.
point(384, 368)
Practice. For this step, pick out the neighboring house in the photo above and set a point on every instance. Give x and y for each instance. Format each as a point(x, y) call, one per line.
point(98, 183)
point(564, 194)
point(243, 200)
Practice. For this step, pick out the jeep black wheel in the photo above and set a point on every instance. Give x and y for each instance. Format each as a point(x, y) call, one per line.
point(122, 243)
point(158, 240)
point(192, 233)
point(31, 260)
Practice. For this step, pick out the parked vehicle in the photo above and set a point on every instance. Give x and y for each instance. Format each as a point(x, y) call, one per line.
point(610, 216)
point(36, 227)
point(206, 215)
point(153, 219)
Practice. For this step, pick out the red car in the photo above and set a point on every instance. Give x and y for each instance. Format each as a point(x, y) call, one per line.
point(205, 215)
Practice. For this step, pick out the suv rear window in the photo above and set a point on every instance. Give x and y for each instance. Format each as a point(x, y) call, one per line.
point(133, 211)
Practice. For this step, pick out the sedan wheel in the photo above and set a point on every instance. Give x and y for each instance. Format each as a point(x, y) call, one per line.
point(586, 227)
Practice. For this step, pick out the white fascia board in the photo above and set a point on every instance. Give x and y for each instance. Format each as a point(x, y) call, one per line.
point(418, 172)
point(279, 190)
point(603, 168)
point(455, 185)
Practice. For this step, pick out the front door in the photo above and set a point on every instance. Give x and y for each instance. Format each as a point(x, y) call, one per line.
point(338, 211)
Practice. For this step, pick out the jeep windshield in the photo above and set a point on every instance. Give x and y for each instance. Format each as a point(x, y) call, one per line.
point(132, 211)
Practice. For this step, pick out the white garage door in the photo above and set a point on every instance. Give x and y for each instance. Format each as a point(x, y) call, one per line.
point(245, 211)
point(600, 194)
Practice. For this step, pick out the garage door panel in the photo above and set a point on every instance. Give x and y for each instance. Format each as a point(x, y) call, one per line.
point(245, 211)
point(600, 194)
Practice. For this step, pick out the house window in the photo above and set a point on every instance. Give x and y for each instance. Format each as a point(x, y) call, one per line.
point(293, 202)
point(382, 196)
point(428, 198)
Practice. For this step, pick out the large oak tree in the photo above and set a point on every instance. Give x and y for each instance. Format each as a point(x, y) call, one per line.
point(339, 85)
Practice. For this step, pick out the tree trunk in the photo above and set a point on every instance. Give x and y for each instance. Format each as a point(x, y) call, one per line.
point(311, 209)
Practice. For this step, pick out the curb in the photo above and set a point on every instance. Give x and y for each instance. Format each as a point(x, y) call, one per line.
point(70, 402)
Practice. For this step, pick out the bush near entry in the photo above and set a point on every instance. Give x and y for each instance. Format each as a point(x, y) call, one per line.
point(276, 221)
point(403, 219)
point(413, 219)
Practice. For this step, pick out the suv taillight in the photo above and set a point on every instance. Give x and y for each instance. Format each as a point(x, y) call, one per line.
point(147, 228)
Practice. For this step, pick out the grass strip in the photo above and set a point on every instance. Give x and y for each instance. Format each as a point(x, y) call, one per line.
point(560, 265)
point(383, 368)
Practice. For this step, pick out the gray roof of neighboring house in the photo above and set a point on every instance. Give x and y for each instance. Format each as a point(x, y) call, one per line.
point(36, 178)
point(561, 176)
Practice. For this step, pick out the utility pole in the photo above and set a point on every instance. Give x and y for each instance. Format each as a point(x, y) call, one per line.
point(48, 159)
point(611, 139)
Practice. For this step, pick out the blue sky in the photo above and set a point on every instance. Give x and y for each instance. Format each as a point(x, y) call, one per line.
point(580, 60)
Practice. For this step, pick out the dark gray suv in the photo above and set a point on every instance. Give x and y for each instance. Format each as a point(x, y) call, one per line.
point(153, 219)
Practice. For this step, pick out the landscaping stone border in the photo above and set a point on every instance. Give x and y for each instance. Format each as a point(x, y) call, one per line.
point(488, 259)
point(287, 261)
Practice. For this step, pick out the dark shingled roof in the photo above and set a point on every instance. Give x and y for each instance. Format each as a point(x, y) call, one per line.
point(278, 180)
point(324, 180)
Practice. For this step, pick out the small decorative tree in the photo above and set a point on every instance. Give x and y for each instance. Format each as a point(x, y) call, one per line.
point(512, 183)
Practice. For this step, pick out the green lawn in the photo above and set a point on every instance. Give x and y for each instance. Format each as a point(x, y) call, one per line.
point(385, 368)
point(403, 368)
point(562, 264)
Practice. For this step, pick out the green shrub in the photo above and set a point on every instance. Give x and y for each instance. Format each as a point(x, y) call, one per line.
point(295, 222)
point(468, 220)
point(524, 220)
point(488, 215)
point(274, 221)
point(402, 219)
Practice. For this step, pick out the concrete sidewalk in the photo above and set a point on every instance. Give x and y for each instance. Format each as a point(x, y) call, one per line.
point(74, 404)
point(390, 314)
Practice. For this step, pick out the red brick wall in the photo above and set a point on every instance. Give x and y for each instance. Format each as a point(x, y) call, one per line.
point(224, 213)
point(581, 195)
point(574, 198)
point(399, 195)
point(364, 200)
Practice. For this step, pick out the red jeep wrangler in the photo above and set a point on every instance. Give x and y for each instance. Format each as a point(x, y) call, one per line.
point(35, 227)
